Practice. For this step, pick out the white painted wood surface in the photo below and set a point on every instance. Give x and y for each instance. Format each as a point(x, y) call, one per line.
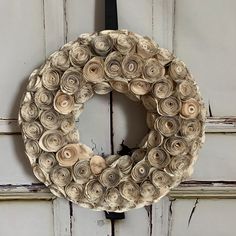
point(204, 37)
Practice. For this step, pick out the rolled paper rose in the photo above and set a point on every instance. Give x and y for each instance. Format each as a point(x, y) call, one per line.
point(149, 102)
point(102, 88)
point(179, 164)
point(191, 128)
point(97, 164)
point(113, 65)
point(51, 79)
point(133, 97)
point(60, 60)
point(138, 155)
point(120, 85)
point(190, 108)
point(68, 155)
point(158, 158)
point(186, 89)
point(148, 191)
point(32, 150)
point(56, 190)
point(132, 66)
point(124, 44)
point(60, 176)
point(140, 86)
point(78, 109)
point(125, 164)
point(152, 70)
point(79, 54)
point(32, 130)
point(81, 171)
point(34, 82)
point(68, 124)
point(85, 152)
point(129, 190)
point(177, 69)
point(50, 119)
point(111, 159)
point(161, 179)
point(47, 161)
point(63, 103)
point(102, 44)
point(71, 80)
point(93, 70)
point(176, 146)
point(113, 197)
point(168, 126)
point(39, 174)
point(164, 56)
point(52, 140)
point(93, 190)
point(29, 111)
point(72, 136)
point(43, 99)
point(195, 146)
point(169, 106)
point(84, 94)
point(74, 191)
point(163, 87)
point(110, 177)
point(140, 171)
point(154, 138)
point(146, 47)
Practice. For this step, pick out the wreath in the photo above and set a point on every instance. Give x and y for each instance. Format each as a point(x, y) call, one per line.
point(97, 64)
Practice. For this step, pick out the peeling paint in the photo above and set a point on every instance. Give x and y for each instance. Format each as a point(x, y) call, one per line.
point(65, 21)
point(193, 210)
point(170, 217)
point(209, 109)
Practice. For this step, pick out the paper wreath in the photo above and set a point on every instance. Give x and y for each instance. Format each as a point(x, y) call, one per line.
point(138, 68)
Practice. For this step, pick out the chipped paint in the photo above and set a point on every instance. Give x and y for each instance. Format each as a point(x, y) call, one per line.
point(192, 212)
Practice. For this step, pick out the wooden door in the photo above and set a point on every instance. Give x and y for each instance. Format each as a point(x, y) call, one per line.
point(202, 33)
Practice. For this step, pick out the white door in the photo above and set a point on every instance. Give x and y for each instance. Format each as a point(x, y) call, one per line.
point(203, 34)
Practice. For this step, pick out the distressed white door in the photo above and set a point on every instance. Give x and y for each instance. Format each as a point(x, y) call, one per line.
point(202, 33)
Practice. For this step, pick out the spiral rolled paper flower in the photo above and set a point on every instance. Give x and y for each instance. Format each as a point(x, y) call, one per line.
point(132, 66)
point(190, 108)
point(138, 155)
point(93, 70)
point(34, 82)
point(152, 70)
point(124, 44)
point(43, 99)
point(84, 94)
point(50, 119)
point(140, 86)
point(149, 102)
point(32, 130)
point(169, 106)
point(68, 155)
point(146, 47)
point(158, 158)
point(63, 103)
point(150, 119)
point(140, 171)
point(97, 164)
point(60, 60)
point(81, 171)
point(161, 179)
point(155, 138)
point(129, 190)
point(47, 161)
point(93, 190)
point(120, 85)
point(177, 70)
point(186, 89)
point(148, 191)
point(52, 140)
point(74, 191)
point(164, 56)
point(191, 128)
point(102, 44)
point(112, 65)
point(167, 125)
point(163, 87)
point(29, 111)
point(79, 54)
point(102, 88)
point(113, 197)
point(125, 164)
point(39, 173)
point(61, 176)
point(176, 146)
point(110, 177)
point(71, 81)
point(51, 79)
point(32, 150)
point(68, 124)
